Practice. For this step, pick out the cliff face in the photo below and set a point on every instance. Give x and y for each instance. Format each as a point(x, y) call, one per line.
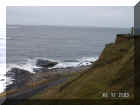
point(113, 71)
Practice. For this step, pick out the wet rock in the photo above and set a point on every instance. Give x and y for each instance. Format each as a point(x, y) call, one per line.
point(45, 63)
point(20, 77)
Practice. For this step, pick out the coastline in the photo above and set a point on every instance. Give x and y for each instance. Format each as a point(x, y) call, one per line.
point(24, 80)
point(114, 70)
point(107, 73)
point(31, 67)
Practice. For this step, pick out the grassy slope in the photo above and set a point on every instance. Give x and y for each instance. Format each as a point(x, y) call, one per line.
point(114, 70)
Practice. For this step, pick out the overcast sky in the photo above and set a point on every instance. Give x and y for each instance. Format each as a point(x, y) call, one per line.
point(71, 16)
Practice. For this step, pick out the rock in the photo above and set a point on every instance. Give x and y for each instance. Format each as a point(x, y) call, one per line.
point(45, 63)
point(19, 71)
point(42, 69)
point(20, 77)
point(37, 70)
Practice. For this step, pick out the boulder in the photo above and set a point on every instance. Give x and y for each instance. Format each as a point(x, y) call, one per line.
point(19, 76)
point(45, 63)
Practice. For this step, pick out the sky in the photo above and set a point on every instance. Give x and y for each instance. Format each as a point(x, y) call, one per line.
point(98, 16)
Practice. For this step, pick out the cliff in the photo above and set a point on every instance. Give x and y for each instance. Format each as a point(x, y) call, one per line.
point(113, 71)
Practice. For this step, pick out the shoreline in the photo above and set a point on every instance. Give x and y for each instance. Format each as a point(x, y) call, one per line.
point(25, 80)
point(37, 65)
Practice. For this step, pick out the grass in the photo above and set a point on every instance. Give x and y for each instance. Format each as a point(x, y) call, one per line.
point(113, 71)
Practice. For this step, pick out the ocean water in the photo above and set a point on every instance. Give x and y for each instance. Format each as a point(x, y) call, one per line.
point(58, 43)
point(69, 46)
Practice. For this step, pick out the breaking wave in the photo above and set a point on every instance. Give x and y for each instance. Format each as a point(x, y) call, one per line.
point(30, 64)
point(85, 61)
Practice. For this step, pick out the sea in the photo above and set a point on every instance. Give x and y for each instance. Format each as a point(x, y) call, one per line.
point(69, 46)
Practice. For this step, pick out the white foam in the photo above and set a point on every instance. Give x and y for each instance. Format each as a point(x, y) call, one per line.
point(9, 81)
point(30, 64)
point(5, 81)
point(65, 65)
point(2, 83)
point(26, 67)
point(85, 61)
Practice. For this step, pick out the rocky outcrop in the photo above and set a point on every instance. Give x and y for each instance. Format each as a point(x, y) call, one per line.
point(45, 63)
point(20, 77)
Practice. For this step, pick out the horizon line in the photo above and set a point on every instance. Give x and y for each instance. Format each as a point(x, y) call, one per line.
point(67, 26)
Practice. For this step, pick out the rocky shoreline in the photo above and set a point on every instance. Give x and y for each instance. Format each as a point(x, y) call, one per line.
point(23, 79)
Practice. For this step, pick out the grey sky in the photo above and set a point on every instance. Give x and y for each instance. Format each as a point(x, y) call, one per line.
point(71, 16)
